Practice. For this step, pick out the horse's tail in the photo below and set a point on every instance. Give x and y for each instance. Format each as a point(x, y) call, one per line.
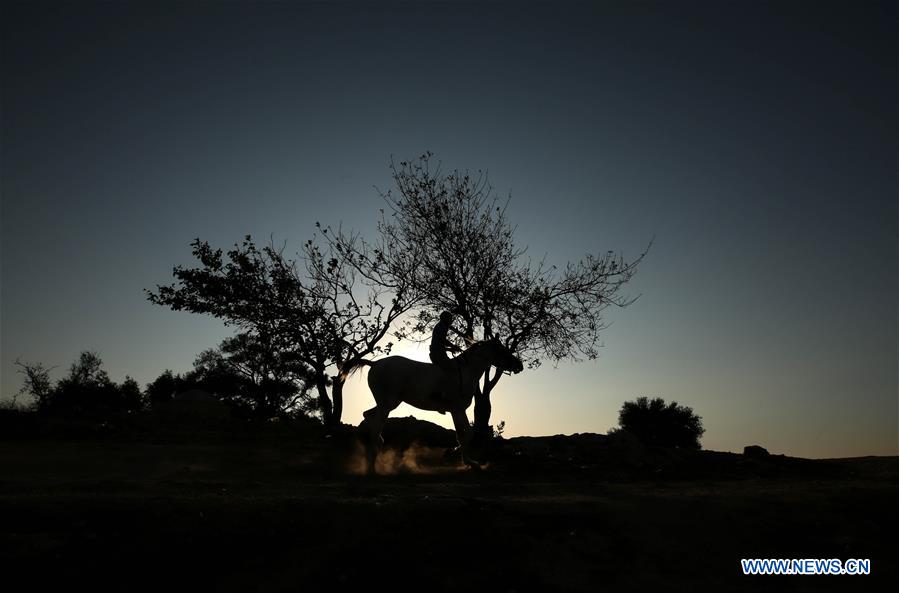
point(352, 366)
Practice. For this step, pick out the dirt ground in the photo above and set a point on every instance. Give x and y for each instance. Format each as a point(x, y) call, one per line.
point(281, 510)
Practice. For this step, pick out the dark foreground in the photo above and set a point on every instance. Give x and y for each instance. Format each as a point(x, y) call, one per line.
point(274, 510)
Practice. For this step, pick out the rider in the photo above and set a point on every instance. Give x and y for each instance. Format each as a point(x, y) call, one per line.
point(439, 342)
point(439, 345)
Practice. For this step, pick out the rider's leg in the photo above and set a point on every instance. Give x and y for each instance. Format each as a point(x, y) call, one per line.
point(441, 360)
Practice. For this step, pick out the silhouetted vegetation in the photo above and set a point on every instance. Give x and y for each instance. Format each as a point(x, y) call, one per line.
point(86, 391)
point(300, 325)
point(250, 380)
point(656, 423)
point(163, 388)
point(250, 377)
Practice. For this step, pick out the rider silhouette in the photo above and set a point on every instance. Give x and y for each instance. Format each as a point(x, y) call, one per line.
point(439, 342)
point(439, 345)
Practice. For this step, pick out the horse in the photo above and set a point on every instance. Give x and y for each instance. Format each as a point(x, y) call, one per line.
point(426, 386)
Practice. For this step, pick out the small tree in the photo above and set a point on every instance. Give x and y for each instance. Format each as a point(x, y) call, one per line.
point(656, 423)
point(36, 383)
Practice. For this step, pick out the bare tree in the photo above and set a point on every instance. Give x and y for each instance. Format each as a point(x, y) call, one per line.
point(36, 382)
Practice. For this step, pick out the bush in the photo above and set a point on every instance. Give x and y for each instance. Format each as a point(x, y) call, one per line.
point(87, 390)
point(16, 420)
point(656, 423)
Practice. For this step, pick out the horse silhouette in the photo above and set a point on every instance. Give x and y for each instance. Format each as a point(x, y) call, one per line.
point(426, 386)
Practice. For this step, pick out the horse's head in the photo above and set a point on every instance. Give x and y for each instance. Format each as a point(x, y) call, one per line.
point(502, 357)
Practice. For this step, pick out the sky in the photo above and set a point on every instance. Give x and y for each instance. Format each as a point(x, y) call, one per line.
point(756, 141)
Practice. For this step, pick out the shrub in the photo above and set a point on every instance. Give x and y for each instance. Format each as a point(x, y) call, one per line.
point(656, 423)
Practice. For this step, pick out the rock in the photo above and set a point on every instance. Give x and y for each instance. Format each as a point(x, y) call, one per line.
point(755, 452)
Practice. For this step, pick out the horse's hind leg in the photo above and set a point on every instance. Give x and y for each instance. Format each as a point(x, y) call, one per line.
point(375, 418)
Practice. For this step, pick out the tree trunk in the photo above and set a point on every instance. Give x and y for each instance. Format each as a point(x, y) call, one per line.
point(482, 438)
point(324, 402)
point(482, 406)
point(337, 395)
point(482, 409)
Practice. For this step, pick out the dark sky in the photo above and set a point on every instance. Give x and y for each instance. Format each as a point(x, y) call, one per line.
point(756, 141)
